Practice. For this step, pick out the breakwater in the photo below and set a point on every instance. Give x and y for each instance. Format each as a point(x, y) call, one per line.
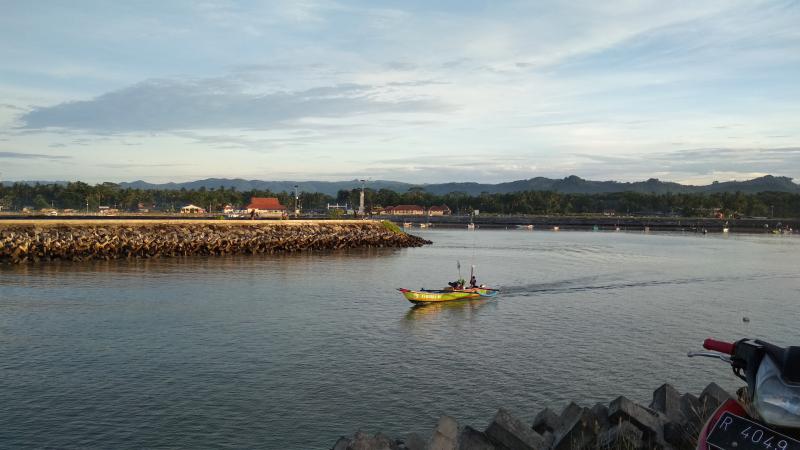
point(610, 223)
point(671, 421)
point(33, 241)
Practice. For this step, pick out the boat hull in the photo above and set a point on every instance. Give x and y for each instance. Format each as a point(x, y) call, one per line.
point(426, 296)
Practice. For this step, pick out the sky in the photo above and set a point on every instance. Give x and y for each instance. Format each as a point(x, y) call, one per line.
point(414, 91)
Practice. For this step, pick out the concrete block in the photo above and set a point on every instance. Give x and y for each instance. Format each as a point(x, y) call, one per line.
point(546, 420)
point(646, 420)
point(363, 441)
point(690, 407)
point(622, 436)
point(414, 442)
point(681, 436)
point(600, 413)
point(711, 397)
point(579, 431)
point(445, 435)
point(509, 432)
point(472, 439)
point(341, 444)
point(549, 439)
point(667, 400)
point(570, 412)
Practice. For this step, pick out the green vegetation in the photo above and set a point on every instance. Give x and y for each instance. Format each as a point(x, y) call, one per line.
point(76, 195)
point(391, 226)
point(79, 195)
point(779, 204)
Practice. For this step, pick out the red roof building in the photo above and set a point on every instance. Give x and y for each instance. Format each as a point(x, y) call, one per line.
point(265, 204)
point(266, 207)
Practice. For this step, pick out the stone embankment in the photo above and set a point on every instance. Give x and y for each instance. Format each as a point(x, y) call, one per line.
point(671, 421)
point(32, 241)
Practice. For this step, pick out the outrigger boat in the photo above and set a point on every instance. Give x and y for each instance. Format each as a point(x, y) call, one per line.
point(456, 291)
point(447, 295)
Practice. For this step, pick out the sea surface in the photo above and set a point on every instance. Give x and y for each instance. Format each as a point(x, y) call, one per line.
point(292, 351)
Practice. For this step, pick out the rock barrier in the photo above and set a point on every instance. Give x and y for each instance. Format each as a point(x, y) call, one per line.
point(24, 242)
point(671, 421)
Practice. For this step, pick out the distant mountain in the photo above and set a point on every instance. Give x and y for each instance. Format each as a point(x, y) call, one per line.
point(762, 184)
point(326, 187)
point(577, 185)
point(568, 185)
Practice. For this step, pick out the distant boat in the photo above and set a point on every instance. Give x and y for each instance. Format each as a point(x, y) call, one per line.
point(616, 229)
point(725, 229)
point(555, 228)
point(595, 228)
point(646, 229)
point(406, 224)
point(470, 226)
point(424, 225)
point(525, 227)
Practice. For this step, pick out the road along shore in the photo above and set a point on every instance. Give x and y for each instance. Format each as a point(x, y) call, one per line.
point(25, 241)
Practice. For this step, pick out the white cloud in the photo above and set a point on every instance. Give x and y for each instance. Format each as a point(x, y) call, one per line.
point(521, 87)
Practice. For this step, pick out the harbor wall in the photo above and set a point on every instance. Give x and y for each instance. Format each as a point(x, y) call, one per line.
point(671, 421)
point(81, 240)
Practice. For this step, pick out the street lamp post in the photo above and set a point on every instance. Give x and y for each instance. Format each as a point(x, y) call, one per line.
point(296, 203)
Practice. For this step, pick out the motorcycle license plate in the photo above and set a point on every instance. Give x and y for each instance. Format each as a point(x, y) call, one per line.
point(734, 432)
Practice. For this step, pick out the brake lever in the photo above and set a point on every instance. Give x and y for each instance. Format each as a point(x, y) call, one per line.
point(721, 356)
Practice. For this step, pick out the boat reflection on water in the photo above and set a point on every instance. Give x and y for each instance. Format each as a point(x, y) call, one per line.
point(457, 308)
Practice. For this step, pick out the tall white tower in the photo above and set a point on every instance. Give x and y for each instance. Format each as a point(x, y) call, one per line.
point(361, 199)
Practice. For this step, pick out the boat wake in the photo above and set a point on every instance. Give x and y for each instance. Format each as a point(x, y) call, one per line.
point(596, 284)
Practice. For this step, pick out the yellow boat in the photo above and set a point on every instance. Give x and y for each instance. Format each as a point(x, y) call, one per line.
point(447, 294)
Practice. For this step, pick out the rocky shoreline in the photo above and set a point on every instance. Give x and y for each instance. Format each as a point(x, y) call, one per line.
point(33, 241)
point(671, 421)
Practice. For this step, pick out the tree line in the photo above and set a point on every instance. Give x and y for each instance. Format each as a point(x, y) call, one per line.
point(762, 204)
point(81, 196)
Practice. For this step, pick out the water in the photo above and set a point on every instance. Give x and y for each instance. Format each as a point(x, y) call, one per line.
point(292, 351)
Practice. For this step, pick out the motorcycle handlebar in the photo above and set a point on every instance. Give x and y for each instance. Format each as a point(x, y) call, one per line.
point(718, 346)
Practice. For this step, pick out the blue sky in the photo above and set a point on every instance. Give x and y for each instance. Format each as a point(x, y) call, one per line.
point(410, 91)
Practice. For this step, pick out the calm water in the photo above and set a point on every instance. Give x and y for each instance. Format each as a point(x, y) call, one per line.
point(289, 352)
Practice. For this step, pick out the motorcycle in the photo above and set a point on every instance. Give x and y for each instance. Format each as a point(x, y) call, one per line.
point(767, 414)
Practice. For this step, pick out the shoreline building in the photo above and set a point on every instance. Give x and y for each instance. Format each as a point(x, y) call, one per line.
point(266, 207)
point(192, 209)
point(407, 210)
point(442, 210)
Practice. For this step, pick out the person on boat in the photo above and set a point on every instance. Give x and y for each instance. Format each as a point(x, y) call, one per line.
point(458, 284)
point(473, 282)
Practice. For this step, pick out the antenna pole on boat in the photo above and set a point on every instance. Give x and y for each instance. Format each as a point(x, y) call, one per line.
point(458, 264)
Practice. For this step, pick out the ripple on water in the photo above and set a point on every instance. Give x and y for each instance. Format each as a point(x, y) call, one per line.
point(291, 351)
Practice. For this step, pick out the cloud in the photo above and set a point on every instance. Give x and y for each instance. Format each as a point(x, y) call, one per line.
point(12, 107)
point(130, 164)
point(19, 155)
point(218, 103)
point(695, 164)
point(401, 65)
